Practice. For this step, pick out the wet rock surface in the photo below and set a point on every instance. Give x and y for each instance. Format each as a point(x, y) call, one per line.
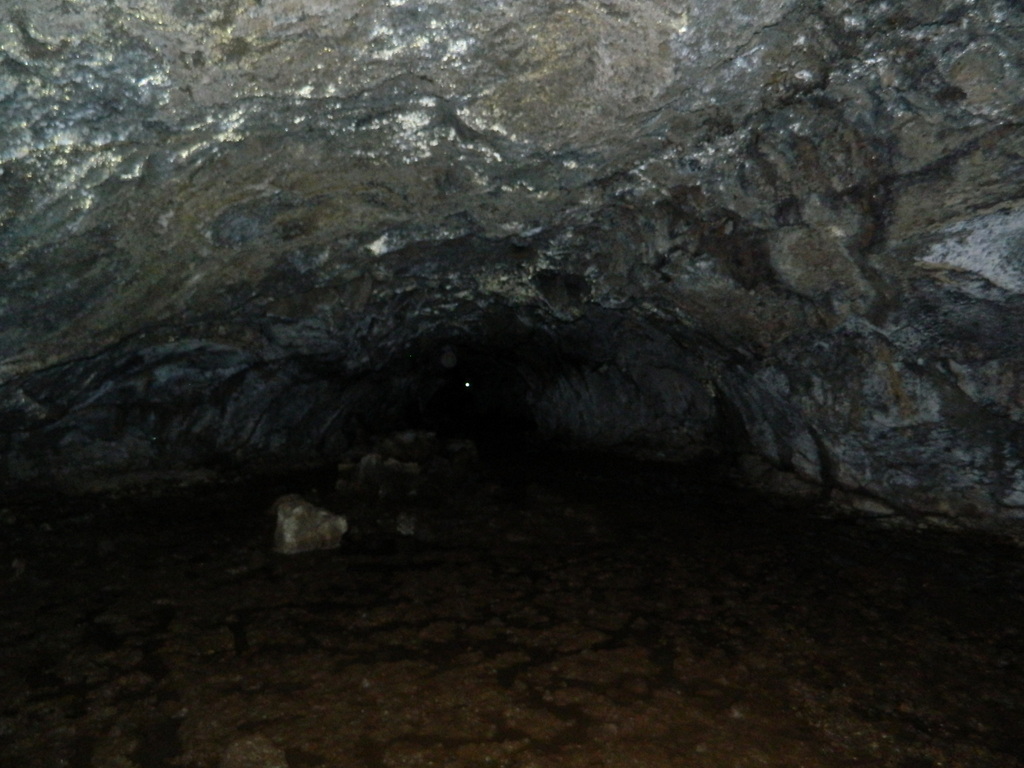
point(562, 619)
point(236, 233)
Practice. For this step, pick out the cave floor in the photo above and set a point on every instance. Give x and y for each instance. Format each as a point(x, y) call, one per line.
point(553, 623)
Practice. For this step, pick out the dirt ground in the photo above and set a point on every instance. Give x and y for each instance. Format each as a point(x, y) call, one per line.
point(563, 620)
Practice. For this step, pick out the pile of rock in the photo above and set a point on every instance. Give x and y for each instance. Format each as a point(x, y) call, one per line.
point(409, 466)
point(402, 469)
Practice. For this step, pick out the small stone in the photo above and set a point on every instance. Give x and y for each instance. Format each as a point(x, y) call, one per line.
point(405, 524)
point(304, 527)
point(410, 446)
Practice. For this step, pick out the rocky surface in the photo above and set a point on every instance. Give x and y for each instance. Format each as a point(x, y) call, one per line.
point(550, 624)
point(236, 233)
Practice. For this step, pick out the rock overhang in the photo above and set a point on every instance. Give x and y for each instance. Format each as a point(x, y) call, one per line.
point(235, 231)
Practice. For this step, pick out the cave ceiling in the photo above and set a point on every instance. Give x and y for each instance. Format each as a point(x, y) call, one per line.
point(240, 230)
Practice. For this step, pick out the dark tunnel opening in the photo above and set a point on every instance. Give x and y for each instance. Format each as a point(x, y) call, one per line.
point(514, 387)
point(477, 393)
point(597, 387)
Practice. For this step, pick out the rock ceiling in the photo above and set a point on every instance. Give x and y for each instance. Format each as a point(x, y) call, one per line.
point(241, 231)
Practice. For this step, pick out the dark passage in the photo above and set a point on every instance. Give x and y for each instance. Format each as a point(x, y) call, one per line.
point(482, 393)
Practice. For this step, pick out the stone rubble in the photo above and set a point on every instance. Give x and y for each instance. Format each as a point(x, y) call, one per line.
point(410, 468)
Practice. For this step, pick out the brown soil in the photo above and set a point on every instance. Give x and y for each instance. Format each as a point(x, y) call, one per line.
point(563, 623)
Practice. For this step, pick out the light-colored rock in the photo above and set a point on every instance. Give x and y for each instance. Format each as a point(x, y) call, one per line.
point(304, 527)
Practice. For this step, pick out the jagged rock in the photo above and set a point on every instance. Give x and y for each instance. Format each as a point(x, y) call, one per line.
point(240, 234)
point(409, 465)
point(410, 446)
point(304, 527)
point(387, 478)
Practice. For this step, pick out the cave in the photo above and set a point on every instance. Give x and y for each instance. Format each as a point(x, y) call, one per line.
point(476, 383)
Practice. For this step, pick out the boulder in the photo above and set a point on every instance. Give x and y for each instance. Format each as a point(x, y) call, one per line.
point(304, 527)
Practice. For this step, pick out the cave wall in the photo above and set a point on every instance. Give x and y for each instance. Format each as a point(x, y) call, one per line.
point(239, 232)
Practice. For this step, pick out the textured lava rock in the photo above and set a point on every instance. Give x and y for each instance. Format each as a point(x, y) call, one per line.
point(241, 232)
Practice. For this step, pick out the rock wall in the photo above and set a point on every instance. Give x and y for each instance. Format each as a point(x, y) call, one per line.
point(238, 232)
